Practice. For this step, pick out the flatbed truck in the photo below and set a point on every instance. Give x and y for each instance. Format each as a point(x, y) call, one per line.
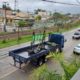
point(37, 53)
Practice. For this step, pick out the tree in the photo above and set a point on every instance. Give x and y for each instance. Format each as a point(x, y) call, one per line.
point(18, 10)
point(7, 7)
point(38, 18)
point(60, 19)
point(58, 16)
point(21, 24)
point(57, 19)
point(39, 10)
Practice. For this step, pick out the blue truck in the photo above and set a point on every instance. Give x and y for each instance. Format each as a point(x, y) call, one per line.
point(36, 53)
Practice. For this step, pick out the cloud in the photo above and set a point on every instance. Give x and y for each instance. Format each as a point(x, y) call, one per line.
point(31, 5)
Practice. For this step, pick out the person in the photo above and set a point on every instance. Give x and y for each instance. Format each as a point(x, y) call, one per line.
point(33, 40)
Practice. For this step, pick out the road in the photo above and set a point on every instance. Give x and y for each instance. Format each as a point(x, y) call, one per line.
point(9, 72)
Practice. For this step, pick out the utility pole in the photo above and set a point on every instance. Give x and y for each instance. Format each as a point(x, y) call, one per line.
point(15, 7)
point(15, 12)
point(15, 4)
point(5, 6)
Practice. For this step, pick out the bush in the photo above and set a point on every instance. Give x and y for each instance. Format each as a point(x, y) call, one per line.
point(4, 41)
point(43, 73)
point(69, 67)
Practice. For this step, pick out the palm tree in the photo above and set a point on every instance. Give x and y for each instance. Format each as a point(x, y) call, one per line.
point(21, 24)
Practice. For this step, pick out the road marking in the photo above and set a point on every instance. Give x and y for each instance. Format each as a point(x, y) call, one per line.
point(8, 74)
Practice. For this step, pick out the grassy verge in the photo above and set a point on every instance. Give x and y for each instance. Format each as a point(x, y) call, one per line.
point(24, 39)
point(65, 30)
point(12, 42)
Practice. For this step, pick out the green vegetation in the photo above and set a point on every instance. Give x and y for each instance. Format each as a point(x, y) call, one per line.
point(38, 18)
point(15, 41)
point(39, 10)
point(69, 67)
point(43, 73)
point(21, 23)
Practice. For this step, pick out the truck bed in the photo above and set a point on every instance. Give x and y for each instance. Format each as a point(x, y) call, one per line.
point(22, 55)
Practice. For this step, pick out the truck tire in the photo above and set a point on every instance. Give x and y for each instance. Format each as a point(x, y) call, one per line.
point(74, 52)
point(44, 58)
point(57, 50)
point(39, 61)
point(73, 38)
point(60, 50)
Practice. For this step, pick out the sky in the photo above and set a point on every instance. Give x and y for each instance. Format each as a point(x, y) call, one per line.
point(31, 5)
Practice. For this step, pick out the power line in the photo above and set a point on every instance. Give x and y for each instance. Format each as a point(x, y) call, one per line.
point(78, 1)
point(61, 3)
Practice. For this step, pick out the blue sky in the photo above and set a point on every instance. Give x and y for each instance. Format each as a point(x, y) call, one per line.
point(30, 5)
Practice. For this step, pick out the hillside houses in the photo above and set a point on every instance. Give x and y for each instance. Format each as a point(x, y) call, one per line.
point(10, 18)
point(44, 14)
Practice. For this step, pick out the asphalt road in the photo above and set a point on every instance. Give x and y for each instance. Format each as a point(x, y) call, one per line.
point(9, 72)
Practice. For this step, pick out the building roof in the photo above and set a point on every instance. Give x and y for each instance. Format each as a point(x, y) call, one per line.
point(19, 15)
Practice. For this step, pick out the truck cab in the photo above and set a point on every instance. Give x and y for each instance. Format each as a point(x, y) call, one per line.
point(58, 39)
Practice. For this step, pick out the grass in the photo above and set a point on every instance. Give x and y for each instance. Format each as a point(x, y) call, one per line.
point(12, 42)
point(65, 30)
point(42, 73)
point(4, 32)
point(69, 67)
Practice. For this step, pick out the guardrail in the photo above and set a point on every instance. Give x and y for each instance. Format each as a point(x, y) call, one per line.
point(76, 76)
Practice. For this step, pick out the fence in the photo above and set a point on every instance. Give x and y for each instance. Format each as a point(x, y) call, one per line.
point(15, 35)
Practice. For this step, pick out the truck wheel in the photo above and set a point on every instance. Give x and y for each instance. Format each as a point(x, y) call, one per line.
point(44, 59)
point(60, 50)
point(74, 52)
point(72, 37)
point(40, 62)
point(57, 50)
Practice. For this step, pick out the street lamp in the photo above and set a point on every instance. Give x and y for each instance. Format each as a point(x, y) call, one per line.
point(5, 4)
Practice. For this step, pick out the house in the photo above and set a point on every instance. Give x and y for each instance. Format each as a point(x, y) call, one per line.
point(44, 15)
point(10, 18)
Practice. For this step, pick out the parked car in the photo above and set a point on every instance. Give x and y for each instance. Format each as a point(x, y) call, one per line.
point(77, 49)
point(76, 35)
